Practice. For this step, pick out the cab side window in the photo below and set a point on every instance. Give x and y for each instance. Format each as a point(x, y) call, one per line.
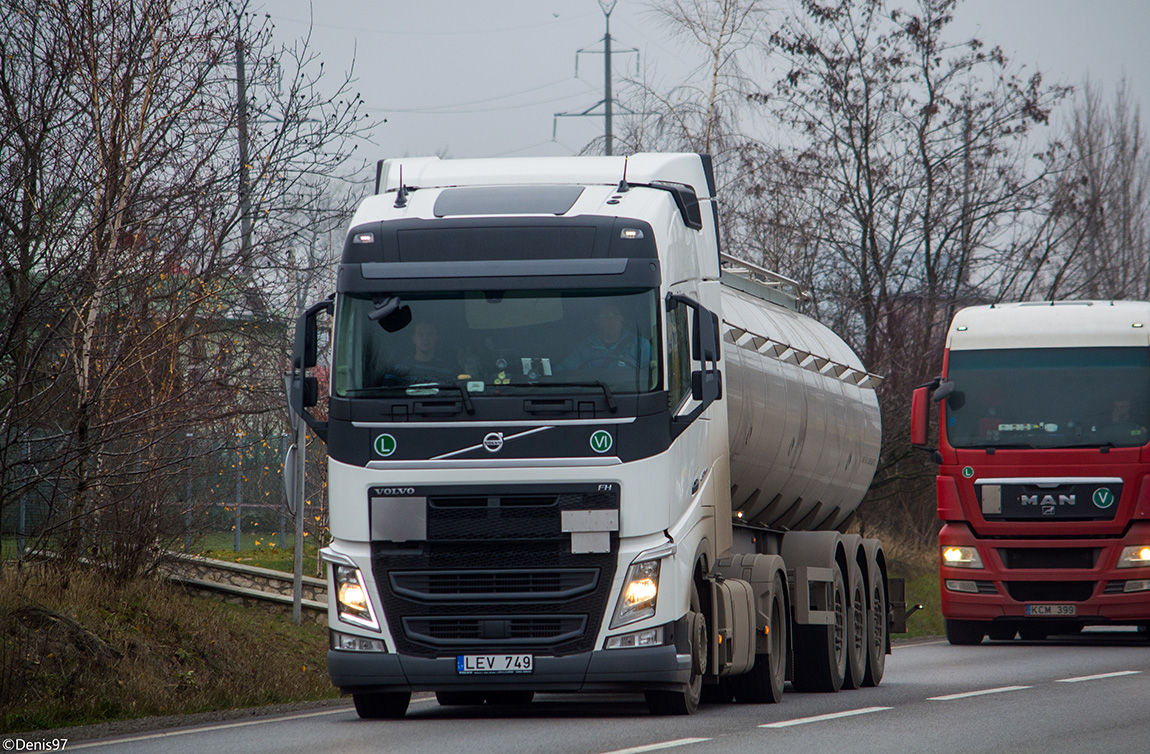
point(678, 354)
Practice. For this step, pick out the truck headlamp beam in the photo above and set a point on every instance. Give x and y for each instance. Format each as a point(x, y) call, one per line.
point(961, 557)
point(1136, 556)
point(640, 594)
point(352, 601)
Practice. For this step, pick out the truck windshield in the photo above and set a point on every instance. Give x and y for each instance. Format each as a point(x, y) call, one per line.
point(499, 343)
point(1048, 398)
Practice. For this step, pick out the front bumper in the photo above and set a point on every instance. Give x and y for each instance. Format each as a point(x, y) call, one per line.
point(601, 670)
point(1095, 590)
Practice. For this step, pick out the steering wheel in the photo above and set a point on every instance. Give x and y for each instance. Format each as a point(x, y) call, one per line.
point(611, 361)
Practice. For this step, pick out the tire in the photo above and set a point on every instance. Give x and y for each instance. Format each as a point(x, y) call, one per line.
point(390, 705)
point(764, 683)
point(685, 699)
point(877, 633)
point(964, 633)
point(1002, 631)
point(857, 656)
point(1033, 632)
point(821, 651)
point(509, 698)
point(459, 698)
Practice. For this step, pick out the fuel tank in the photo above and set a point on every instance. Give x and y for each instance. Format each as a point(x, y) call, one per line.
point(803, 417)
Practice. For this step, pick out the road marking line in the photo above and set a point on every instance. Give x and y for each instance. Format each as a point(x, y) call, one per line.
point(222, 726)
point(821, 718)
point(657, 747)
point(968, 694)
point(1099, 677)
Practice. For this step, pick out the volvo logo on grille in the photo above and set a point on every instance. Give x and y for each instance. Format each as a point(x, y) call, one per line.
point(493, 441)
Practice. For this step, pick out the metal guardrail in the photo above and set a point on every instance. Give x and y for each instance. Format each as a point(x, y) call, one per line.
point(245, 584)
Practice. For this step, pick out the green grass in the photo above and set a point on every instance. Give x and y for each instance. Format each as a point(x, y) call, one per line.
point(922, 589)
point(77, 648)
point(258, 550)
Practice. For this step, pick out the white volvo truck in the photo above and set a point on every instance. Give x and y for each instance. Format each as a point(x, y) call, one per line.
point(572, 447)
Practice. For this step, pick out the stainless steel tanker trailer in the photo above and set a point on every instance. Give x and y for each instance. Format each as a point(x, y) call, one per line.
point(573, 447)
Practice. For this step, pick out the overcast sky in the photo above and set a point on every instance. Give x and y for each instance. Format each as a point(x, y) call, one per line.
point(483, 78)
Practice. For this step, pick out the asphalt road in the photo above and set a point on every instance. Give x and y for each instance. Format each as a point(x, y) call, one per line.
point(1082, 694)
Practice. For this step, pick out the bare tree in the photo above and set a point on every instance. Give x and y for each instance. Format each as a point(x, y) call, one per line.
point(157, 264)
point(1096, 230)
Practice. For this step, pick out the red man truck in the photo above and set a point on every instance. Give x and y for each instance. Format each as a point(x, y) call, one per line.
point(1043, 454)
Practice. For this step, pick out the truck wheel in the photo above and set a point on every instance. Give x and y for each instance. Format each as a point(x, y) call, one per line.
point(458, 698)
point(1032, 632)
point(685, 700)
point(964, 632)
point(876, 630)
point(821, 651)
point(390, 705)
point(857, 638)
point(764, 683)
point(1002, 631)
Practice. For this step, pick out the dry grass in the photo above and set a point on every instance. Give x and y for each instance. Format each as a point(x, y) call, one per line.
point(77, 648)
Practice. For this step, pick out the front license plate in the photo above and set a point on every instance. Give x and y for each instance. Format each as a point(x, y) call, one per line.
point(1051, 611)
point(473, 664)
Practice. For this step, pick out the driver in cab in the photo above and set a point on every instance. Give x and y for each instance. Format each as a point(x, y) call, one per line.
point(610, 346)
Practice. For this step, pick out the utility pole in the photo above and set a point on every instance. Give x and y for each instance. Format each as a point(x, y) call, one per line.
point(608, 102)
point(607, 98)
point(245, 176)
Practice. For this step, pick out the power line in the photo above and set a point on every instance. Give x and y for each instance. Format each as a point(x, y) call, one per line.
point(470, 32)
point(608, 102)
point(434, 109)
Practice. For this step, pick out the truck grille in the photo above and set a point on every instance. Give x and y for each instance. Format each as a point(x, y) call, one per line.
point(497, 570)
point(1082, 558)
point(1049, 591)
point(526, 631)
point(508, 584)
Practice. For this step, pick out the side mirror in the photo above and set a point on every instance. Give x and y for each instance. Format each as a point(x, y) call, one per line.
point(303, 389)
point(919, 416)
point(920, 408)
point(707, 381)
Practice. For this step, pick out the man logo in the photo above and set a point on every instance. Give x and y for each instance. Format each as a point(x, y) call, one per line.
point(493, 441)
point(1103, 497)
point(601, 441)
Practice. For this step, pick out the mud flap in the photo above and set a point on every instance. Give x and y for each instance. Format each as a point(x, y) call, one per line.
point(896, 597)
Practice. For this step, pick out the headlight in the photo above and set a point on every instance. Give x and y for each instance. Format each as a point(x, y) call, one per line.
point(640, 593)
point(1137, 556)
point(961, 557)
point(352, 602)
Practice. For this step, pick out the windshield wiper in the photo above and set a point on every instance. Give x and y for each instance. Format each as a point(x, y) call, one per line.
point(388, 391)
point(611, 405)
point(447, 386)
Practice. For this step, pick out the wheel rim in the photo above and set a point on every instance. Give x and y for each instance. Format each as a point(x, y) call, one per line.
point(878, 634)
point(840, 628)
point(778, 637)
point(858, 639)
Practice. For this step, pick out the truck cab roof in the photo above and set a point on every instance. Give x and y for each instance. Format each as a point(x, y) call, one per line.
point(1051, 324)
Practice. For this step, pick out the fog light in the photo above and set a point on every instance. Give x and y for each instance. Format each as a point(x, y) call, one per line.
point(961, 557)
point(956, 585)
point(651, 637)
point(352, 602)
point(1137, 585)
point(349, 643)
point(1137, 556)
